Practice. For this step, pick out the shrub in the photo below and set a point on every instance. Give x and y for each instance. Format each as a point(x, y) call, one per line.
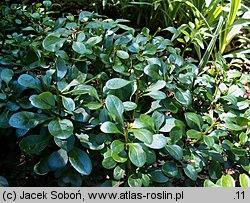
point(97, 102)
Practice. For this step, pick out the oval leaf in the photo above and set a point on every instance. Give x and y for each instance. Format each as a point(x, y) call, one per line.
point(58, 160)
point(137, 154)
point(61, 129)
point(80, 160)
point(175, 151)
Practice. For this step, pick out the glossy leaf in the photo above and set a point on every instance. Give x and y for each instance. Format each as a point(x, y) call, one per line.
point(80, 161)
point(26, 120)
point(61, 129)
point(134, 181)
point(68, 103)
point(44, 100)
point(190, 172)
point(53, 43)
point(58, 160)
point(175, 151)
point(244, 180)
point(117, 83)
point(61, 67)
point(170, 169)
point(159, 142)
point(115, 108)
point(109, 127)
point(137, 154)
point(143, 135)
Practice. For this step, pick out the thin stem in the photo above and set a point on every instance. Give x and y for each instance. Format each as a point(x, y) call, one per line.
point(136, 95)
point(207, 131)
point(127, 142)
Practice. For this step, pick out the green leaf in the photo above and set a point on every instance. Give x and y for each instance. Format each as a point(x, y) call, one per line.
point(134, 181)
point(158, 176)
point(79, 47)
point(85, 89)
point(61, 67)
point(42, 168)
point(209, 141)
point(152, 70)
point(109, 127)
point(94, 40)
point(193, 120)
point(209, 183)
point(61, 129)
point(184, 97)
point(190, 172)
point(159, 141)
point(3, 182)
point(175, 151)
point(150, 49)
point(143, 135)
point(117, 146)
point(194, 134)
point(215, 170)
point(119, 172)
point(53, 43)
point(137, 154)
point(58, 160)
point(157, 95)
point(6, 75)
point(232, 126)
point(244, 180)
point(120, 157)
point(227, 181)
point(66, 144)
point(108, 162)
point(156, 86)
point(122, 54)
point(159, 119)
point(26, 120)
point(28, 81)
point(169, 124)
point(93, 105)
point(170, 169)
point(80, 161)
point(34, 144)
point(68, 103)
point(117, 83)
point(115, 108)
point(44, 100)
point(129, 106)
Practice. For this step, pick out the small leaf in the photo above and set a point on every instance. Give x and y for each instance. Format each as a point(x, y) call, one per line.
point(79, 47)
point(209, 141)
point(117, 146)
point(157, 95)
point(117, 83)
point(80, 160)
point(194, 134)
point(119, 172)
point(28, 81)
point(158, 176)
point(159, 142)
point(129, 106)
point(61, 129)
point(60, 67)
point(109, 127)
point(53, 43)
point(143, 135)
point(244, 180)
point(122, 54)
point(26, 120)
point(66, 144)
point(227, 181)
point(175, 151)
point(3, 182)
point(68, 103)
point(152, 70)
point(170, 169)
point(94, 40)
point(34, 144)
point(44, 100)
point(137, 154)
point(184, 97)
point(6, 75)
point(150, 49)
point(134, 181)
point(115, 108)
point(156, 86)
point(193, 120)
point(108, 163)
point(58, 160)
point(190, 172)
point(215, 170)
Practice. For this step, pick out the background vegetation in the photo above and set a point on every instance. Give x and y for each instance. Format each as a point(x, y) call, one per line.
point(124, 93)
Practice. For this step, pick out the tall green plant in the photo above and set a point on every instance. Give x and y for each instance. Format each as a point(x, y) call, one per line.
point(225, 37)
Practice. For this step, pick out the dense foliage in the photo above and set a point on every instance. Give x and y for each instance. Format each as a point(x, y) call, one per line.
point(96, 103)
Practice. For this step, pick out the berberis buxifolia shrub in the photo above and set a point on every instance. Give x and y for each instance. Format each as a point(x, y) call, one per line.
point(97, 101)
